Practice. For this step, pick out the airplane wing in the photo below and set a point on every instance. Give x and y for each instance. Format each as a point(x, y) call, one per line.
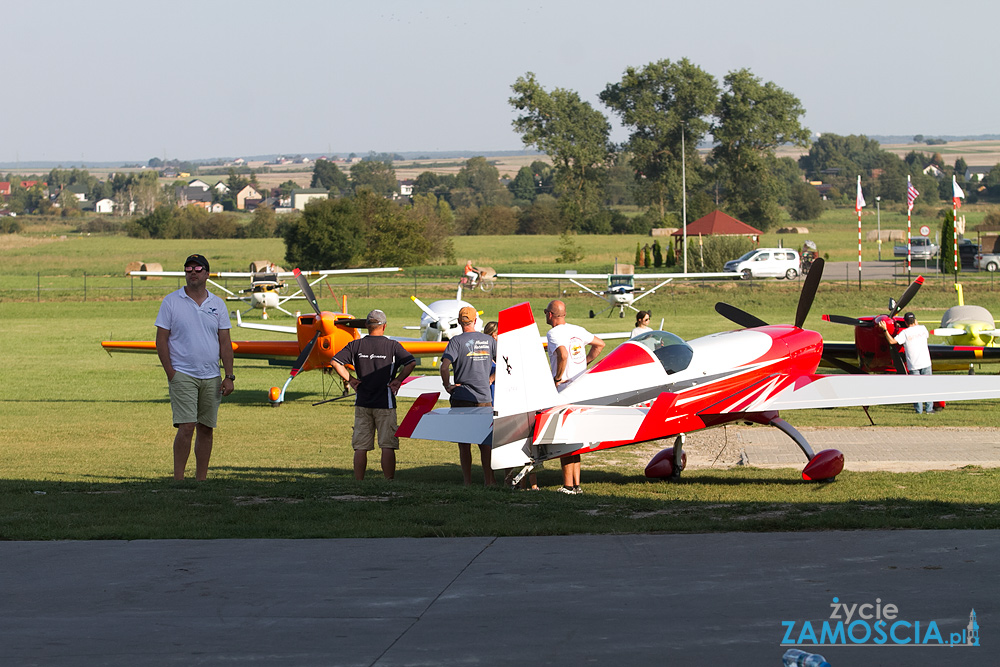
point(637, 276)
point(783, 392)
point(251, 349)
point(281, 274)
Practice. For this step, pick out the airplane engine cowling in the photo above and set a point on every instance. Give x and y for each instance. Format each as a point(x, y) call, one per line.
point(827, 464)
point(661, 466)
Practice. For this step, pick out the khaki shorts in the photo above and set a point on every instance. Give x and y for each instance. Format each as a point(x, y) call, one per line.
point(367, 421)
point(193, 400)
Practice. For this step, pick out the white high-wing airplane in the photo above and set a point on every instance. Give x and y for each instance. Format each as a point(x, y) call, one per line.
point(265, 288)
point(439, 320)
point(659, 386)
point(621, 289)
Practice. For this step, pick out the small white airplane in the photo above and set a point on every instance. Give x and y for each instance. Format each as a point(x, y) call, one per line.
point(265, 288)
point(440, 319)
point(621, 289)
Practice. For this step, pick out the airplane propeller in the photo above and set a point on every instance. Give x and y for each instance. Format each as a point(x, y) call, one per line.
point(443, 321)
point(307, 290)
point(894, 308)
point(806, 297)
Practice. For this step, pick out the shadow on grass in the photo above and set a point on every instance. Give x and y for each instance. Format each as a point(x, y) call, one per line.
point(314, 502)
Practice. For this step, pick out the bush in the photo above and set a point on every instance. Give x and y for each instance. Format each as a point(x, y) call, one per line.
point(805, 202)
point(714, 251)
point(9, 226)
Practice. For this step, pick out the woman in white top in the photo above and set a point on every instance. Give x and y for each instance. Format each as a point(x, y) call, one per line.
point(641, 323)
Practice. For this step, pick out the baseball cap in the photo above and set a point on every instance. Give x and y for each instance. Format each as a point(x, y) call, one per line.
point(910, 318)
point(197, 259)
point(376, 318)
point(467, 315)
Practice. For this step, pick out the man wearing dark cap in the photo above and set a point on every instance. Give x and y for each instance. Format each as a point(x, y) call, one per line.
point(472, 354)
point(381, 365)
point(192, 335)
point(913, 337)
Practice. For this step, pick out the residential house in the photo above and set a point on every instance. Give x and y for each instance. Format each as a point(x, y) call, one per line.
point(976, 174)
point(5, 188)
point(104, 206)
point(248, 192)
point(198, 183)
point(406, 188)
point(192, 195)
point(305, 195)
point(934, 170)
point(79, 191)
point(221, 187)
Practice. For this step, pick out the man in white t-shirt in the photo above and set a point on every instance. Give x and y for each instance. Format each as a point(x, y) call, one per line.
point(192, 336)
point(568, 357)
point(913, 338)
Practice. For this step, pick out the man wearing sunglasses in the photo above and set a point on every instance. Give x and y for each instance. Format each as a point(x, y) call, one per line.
point(192, 335)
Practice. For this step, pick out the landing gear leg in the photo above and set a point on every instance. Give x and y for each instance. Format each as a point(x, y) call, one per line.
point(678, 457)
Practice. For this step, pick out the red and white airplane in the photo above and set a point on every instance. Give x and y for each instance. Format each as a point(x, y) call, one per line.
point(970, 328)
point(659, 386)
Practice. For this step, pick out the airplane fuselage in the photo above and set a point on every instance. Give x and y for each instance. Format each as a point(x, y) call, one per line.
point(724, 371)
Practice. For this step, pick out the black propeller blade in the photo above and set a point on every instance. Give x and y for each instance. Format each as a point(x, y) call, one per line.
point(910, 292)
point(307, 290)
point(304, 355)
point(809, 288)
point(740, 317)
point(843, 319)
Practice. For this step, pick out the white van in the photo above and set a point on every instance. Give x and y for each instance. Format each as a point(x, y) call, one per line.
point(766, 263)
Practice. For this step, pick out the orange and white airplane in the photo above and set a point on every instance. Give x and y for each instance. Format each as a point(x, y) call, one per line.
point(318, 336)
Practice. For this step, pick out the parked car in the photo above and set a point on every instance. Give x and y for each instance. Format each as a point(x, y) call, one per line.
point(921, 247)
point(766, 263)
point(967, 251)
point(987, 261)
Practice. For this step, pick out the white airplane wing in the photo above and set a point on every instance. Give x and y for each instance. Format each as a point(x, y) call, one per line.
point(837, 391)
point(416, 385)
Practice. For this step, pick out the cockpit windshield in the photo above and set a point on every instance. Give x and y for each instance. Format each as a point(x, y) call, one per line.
point(673, 353)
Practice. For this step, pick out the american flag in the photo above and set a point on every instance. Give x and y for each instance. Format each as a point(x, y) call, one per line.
point(911, 195)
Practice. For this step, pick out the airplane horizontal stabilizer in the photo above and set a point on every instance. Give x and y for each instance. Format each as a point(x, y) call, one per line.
point(449, 425)
point(415, 385)
point(582, 424)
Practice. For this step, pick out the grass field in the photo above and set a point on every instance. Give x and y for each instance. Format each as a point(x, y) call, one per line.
point(86, 443)
point(85, 447)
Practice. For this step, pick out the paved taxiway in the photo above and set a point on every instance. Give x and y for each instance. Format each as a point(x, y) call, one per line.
point(714, 599)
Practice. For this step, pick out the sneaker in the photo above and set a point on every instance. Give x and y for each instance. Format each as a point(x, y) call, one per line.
point(577, 490)
point(567, 490)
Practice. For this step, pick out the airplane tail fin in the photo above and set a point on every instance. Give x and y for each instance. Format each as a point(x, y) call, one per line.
point(524, 386)
point(523, 378)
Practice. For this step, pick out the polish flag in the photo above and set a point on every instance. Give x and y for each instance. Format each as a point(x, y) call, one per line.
point(957, 195)
point(860, 202)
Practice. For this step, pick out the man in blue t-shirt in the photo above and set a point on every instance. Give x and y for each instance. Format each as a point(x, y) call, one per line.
point(473, 355)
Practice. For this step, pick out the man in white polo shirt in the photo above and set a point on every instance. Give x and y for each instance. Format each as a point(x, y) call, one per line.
point(192, 335)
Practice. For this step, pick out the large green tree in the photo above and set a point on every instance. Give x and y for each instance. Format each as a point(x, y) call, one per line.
point(659, 104)
point(328, 176)
point(573, 134)
point(478, 184)
point(329, 234)
point(375, 175)
point(753, 118)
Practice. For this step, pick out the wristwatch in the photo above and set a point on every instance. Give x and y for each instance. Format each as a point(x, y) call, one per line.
point(231, 377)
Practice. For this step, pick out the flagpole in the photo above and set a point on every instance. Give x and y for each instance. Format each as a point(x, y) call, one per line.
point(909, 210)
point(858, 204)
point(684, 201)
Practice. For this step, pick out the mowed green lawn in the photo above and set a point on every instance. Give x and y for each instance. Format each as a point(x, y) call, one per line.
point(85, 447)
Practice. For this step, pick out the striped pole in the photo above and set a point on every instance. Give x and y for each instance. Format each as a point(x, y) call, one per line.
point(859, 249)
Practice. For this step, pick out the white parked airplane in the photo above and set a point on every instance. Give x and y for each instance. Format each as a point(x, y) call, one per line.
point(440, 319)
point(621, 289)
point(265, 288)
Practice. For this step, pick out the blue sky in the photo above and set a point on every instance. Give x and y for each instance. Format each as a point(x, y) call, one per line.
point(114, 80)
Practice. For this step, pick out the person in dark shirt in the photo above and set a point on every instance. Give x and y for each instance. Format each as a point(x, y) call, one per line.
point(381, 364)
point(471, 354)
